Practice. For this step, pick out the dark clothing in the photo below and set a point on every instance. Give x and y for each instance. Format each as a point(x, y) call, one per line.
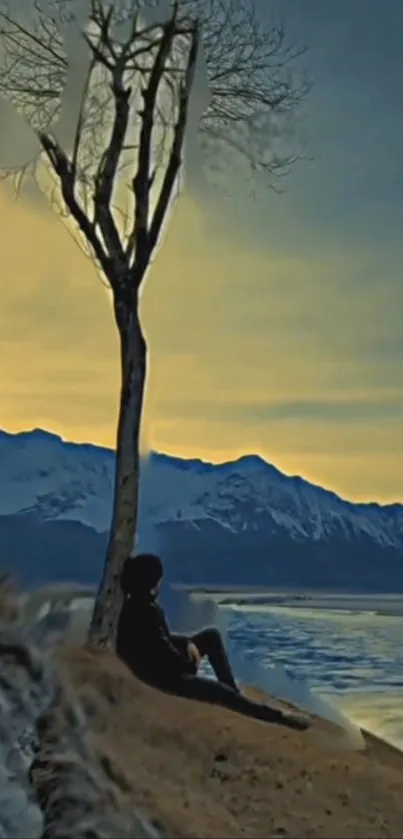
point(224, 691)
point(160, 658)
point(145, 644)
point(210, 645)
point(210, 690)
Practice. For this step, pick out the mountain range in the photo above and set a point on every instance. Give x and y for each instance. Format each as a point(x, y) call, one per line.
point(241, 523)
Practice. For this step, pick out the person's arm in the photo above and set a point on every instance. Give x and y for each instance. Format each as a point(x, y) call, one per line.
point(166, 658)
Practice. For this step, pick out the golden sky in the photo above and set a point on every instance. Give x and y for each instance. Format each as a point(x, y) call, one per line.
point(274, 323)
point(245, 353)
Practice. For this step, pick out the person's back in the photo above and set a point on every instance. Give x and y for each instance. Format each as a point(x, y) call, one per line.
point(143, 640)
point(130, 645)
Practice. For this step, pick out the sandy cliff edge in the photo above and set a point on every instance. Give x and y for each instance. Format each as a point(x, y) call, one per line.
point(202, 771)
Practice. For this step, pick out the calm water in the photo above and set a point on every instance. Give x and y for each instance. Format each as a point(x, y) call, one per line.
point(348, 649)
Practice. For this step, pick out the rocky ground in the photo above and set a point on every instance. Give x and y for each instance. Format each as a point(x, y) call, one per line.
point(54, 778)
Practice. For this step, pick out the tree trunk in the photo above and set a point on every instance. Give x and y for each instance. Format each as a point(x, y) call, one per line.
point(124, 517)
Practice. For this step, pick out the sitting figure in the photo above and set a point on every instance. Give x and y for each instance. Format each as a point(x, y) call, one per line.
point(170, 662)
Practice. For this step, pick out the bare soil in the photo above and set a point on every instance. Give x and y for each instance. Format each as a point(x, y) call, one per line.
point(202, 771)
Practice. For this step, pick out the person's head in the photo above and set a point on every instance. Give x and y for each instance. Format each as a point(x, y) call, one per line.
point(141, 575)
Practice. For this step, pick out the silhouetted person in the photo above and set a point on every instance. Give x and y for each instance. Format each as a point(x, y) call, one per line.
point(170, 662)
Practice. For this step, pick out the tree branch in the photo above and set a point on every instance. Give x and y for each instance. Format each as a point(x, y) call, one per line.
point(175, 157)
point(63, 169)
point(253, 71)
point(138, 241)
point(107, 170)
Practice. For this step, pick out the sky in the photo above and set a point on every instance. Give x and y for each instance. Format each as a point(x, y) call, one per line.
point(274, 322)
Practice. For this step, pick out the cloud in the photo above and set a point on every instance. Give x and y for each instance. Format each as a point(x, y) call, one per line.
point(333, 411)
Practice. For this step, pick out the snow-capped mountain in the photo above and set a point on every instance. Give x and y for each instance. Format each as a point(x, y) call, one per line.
point(239, 522)
point(57, 480)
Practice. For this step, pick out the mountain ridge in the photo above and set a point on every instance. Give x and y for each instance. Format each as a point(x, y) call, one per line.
point(206, 465)
point(242, 520)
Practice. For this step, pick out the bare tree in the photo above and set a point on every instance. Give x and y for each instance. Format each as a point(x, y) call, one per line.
point(254, 73)
point(118, 180)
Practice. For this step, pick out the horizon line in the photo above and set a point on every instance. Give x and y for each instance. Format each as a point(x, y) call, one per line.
point(241, 456)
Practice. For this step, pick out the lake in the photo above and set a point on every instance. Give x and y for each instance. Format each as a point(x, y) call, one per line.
point(348, 648)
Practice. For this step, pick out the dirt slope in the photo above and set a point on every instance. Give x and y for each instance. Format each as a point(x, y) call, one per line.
point(201, 771)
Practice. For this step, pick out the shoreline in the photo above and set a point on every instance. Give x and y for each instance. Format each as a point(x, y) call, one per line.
point(386, 753)
point(226, 589)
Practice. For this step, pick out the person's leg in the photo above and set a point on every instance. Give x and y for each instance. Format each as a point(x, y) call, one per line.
point(210, 644)
point(217, 693)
